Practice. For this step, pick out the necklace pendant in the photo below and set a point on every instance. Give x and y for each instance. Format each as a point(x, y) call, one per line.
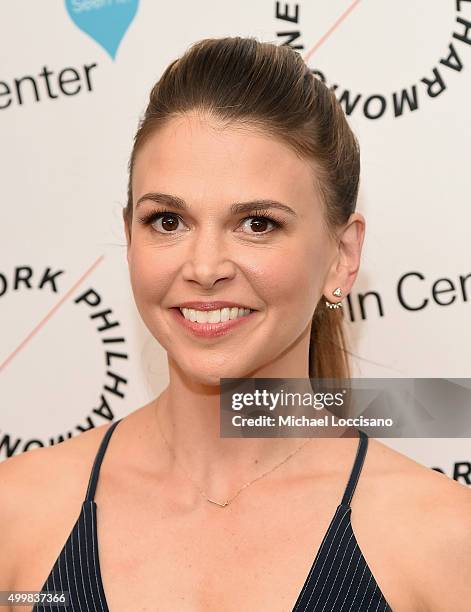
point(213, 501)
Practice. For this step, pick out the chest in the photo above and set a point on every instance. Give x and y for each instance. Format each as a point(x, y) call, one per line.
point(150, 556)
point(219, 560)
point(194, 566)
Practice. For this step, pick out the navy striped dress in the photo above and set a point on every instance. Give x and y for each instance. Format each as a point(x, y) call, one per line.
point(338, 581)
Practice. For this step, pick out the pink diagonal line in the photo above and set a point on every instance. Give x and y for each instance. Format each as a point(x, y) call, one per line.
point(333, 27)
point(51, 312)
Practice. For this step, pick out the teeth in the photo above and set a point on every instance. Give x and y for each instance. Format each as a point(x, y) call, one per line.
point(214, 316)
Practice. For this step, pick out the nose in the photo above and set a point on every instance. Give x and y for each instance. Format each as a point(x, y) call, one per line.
point(208, 259)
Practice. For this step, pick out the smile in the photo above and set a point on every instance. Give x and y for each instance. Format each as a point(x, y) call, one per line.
point(214, 316)
point(211, 323)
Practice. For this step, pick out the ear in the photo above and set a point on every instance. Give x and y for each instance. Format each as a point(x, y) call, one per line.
point(344, 268)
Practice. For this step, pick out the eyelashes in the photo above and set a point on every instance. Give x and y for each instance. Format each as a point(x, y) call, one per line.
point(259, 215)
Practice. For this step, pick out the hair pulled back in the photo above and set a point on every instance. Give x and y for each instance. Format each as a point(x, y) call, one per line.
point(265, 86)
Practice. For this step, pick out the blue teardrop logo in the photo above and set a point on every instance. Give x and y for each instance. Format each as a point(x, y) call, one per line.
point(106, 21)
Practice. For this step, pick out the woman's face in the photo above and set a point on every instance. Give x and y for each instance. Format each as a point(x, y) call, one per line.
point(206, 252)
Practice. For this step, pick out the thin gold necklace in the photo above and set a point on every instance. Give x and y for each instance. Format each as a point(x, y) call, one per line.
point(227, 502)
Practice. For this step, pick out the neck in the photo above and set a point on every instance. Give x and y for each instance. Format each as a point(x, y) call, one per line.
point(187, 414)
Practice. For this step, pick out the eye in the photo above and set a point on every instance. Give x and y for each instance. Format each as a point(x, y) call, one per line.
point(258, 223)
point(169, 220)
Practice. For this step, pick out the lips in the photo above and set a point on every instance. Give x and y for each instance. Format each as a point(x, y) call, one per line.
point(209, 330)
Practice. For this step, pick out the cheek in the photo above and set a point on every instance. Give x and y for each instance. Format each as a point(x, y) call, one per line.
point(290, 281)
point(149, 276)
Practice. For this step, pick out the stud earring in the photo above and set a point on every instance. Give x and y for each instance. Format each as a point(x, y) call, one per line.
point(337, 292)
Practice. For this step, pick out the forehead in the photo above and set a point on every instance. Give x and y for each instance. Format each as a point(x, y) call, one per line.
point(194, 157)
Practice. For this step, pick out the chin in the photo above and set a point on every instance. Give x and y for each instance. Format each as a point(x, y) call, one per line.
point(209, 373)
point(207, 380)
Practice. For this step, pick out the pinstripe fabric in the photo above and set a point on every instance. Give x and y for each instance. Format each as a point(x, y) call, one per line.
point(338, 581)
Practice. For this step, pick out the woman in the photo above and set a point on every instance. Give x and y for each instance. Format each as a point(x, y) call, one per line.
point(242, 190)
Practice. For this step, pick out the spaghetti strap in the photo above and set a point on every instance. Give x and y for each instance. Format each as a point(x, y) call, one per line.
point(355, 473)
point(97, 463)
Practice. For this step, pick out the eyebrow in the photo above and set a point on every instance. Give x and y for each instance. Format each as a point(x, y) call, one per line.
point(235, 208)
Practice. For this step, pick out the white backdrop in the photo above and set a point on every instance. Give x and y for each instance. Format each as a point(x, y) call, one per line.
point(73, 351)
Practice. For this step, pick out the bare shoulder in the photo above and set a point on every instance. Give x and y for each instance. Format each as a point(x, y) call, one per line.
point(37, 488)
point(429, 517)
